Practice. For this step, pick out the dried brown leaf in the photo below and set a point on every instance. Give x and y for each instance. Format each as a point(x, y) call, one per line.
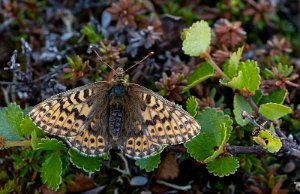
point(80, 183)
point(168, 168)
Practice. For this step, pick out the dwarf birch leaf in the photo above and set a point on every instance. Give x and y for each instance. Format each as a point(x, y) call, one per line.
point(215, 132)
point(192, 106)
point(51, 144)
point(239, 105)
point(27, 126)
point(248, 77)
point(274, 111)
point(196, 39)
point(267, 141)
point(203, 72)
point(10, 119)
point(278, 96)
point(87, 163)
point(150, 163)
point(51, 171)
point(231, 67)
point(223, 166)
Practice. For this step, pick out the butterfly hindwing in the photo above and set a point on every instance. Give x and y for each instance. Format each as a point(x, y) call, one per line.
point(163, 121)
point(137, 144)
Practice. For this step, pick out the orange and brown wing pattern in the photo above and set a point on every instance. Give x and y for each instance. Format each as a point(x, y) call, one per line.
point(89, 142)
point(94, 139)
point(64, 114)
point(74, 116)
point(137, 144)
point(164, 122)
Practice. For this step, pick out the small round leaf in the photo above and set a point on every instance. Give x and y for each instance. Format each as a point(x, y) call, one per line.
point(196, 39)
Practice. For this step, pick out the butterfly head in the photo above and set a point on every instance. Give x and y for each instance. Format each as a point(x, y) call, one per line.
point(119, 74)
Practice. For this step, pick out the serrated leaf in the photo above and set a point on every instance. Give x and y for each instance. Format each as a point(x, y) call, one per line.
point(223, 166)
point(265, 139)
point(215, 132)
point(239, 105)
point(248, 77)
point(87, 163)
point(192, 106)
point(203, 72)
point(150, 163)
point(10, 119)
point(278, 96)
point(51, 144)
point(51, 171)
point(196, 39)
point(27, 126)
point(274, 111)
point(231, 67)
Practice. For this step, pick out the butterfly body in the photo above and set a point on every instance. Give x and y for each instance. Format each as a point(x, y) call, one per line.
point(100, 116)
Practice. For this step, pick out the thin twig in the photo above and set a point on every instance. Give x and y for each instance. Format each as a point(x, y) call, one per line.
point(295, 153)
point(252, 103)
point(214, 65)
point(126, 170)
point(5, 83)
point(255, 149)
point(25, 143)
point(27, 51)
point(252, 120)
point(178, 187)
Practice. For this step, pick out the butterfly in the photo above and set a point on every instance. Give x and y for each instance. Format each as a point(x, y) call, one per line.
point(100, 116)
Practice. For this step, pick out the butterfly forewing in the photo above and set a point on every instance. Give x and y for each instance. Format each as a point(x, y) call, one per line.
point(164, 122)
point(75, 116)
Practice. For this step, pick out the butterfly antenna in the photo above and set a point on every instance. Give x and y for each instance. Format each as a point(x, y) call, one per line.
point(149, 55)
point(100, 58)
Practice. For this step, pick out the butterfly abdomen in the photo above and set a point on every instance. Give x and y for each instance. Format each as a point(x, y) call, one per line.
point(115, 119)
point(115, 110)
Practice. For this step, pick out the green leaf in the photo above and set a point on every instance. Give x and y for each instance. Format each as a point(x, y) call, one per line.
point(51, 144)
point(192, 106)
point(239, 105)
point(265, 139)
point(51, 171)
point(215, 132)
point(223, 166)
point(196, 39)
point(9, 187)
point(87, 163)
point(203, 72)
point(257, 96)
point(284, 69)
point(27, 126)
point(91, 34)
point(10, 119)
point(277, 96)
point(34, 140)
point(248, 77)
point(231, 67)
point(274, 111)
point(71, 62)
point(150, 163)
